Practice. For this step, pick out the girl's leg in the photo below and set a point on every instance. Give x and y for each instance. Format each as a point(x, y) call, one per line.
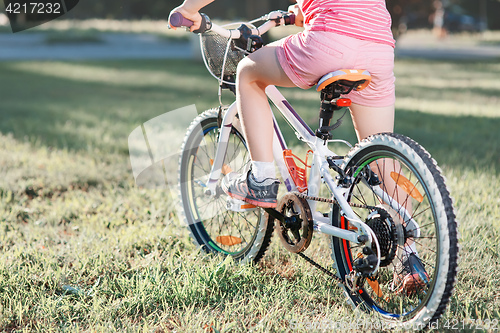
point(255, 73)
point(372, 120)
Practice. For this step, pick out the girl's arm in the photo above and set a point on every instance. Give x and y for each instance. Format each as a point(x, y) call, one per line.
point(190, 10)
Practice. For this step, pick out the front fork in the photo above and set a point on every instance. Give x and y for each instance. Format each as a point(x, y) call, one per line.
point(279, 145)
point(224, 133)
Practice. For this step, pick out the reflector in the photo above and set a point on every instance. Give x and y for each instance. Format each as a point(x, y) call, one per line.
point(407, 186)
point(228, 240)
point(343, 102)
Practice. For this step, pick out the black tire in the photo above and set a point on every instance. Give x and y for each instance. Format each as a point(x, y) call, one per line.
point(431, 207)
point(207, 218)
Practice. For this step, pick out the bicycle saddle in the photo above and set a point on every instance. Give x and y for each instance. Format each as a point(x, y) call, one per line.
point(358, 79)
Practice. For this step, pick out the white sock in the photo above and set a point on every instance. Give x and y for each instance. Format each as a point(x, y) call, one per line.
point(263, 170)
point(410, 249)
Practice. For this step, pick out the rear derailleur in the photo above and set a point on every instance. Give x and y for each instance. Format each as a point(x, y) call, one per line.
point(363, 268)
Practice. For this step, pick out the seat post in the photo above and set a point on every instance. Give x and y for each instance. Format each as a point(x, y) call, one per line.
point(328, 94)
point(332, 86)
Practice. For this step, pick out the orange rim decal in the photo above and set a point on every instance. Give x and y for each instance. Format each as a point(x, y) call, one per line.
point(376, 287)
point(228, 240)
point(407, 186)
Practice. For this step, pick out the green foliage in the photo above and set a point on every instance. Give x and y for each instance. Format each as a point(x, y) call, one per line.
point(83, 249)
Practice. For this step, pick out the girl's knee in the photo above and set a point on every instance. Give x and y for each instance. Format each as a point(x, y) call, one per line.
point(248, 74)
point(244, 70)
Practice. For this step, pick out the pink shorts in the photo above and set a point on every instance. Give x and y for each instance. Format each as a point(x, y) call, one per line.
point(308, 55)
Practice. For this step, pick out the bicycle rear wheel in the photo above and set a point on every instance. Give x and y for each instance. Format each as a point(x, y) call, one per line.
point(244, 234)
point(408, 174)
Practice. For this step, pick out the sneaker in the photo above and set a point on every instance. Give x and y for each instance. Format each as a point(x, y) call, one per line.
point(410, 274)
point(246, 188)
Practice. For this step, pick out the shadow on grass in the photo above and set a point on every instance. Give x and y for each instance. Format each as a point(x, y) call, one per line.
point(96, 105)
point(77, 112)
point(463, 141)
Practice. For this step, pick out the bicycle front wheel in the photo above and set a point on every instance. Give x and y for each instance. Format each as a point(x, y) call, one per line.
point(244, 232)
point(399, 191)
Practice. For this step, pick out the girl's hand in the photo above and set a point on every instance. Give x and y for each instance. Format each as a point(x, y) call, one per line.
point(299, 17)
point(195, 17)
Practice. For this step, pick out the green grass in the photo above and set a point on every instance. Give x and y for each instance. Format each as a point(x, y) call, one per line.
point(83, 249)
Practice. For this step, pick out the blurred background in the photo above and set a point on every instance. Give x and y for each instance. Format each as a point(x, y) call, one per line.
point(417, 24)
point(456, 15)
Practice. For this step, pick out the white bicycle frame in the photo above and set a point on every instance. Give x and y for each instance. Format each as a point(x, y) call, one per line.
point(320, 169)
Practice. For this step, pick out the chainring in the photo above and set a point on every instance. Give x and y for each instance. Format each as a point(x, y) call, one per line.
point(297, 230)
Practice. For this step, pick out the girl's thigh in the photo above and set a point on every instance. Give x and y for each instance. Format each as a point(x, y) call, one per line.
point(369, 120)
point(307, 56)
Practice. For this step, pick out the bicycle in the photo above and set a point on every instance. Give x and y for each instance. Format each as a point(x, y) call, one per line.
point(387, 192)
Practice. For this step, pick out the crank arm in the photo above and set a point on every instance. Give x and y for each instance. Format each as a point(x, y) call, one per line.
point(275, 214)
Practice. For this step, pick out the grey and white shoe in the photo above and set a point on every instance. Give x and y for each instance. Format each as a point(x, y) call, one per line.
point(245, 187)
point(410, 274)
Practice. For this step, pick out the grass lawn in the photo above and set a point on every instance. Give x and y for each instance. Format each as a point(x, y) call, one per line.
point(83, 249)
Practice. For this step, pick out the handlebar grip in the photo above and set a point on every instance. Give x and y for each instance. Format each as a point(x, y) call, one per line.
point(289, 19)
point(177, 20)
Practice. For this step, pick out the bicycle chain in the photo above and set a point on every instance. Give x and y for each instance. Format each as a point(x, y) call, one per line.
point(321, 268)
point(332, 201)
point(311, 261)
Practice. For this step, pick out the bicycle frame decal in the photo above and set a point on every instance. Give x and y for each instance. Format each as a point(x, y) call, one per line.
point(296, 115)
point(290, 115)
point(153, 162)
point(280, 138)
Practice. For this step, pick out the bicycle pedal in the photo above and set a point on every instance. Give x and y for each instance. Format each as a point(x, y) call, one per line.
point(236, 205)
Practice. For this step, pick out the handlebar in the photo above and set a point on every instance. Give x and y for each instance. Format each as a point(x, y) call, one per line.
point(273, 19)
point(177, 20)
